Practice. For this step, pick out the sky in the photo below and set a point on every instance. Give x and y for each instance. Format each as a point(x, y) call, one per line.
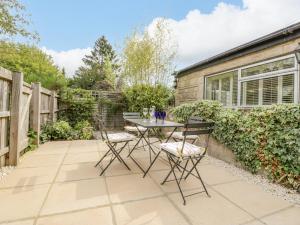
point(201, 28)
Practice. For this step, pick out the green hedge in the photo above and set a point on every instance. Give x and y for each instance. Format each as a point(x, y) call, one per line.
point(262, 138)
point(78, 105)
point(142, 96)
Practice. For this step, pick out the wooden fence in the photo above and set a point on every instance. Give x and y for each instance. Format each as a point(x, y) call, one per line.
point(22, 106)
point(113, 119)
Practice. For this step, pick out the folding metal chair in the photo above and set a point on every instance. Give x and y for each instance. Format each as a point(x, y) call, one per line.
point(179, 154)
point(134, 129)
point(177, 136)
point(112, 140)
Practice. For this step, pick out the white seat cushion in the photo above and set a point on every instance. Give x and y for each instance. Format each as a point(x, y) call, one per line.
point(135, 129)
point(120, 137)
point(178, 135)
point(188, 150)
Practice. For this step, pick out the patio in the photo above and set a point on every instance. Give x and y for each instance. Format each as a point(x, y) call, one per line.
point(57, 184)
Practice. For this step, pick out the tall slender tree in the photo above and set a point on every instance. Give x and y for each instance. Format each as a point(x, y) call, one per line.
point(94, 74)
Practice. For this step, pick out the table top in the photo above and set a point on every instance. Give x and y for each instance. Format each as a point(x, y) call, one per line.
point(152, 124)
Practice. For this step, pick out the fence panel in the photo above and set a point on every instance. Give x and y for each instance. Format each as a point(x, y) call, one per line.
point(25, 101)
point(45, 106)
point(113, 119)
point(5, 96)
point(22, 106)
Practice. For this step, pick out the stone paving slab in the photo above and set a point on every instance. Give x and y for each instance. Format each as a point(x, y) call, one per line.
point(58, 184)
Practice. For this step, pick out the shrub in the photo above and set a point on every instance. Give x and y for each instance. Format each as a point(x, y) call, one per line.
point(77, 104)
point(142, 96)
point(267, 137)
point(62, 130)
point(83, 130)
point(204, 109)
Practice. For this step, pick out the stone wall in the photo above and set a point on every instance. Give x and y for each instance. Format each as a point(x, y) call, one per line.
point(190, 87)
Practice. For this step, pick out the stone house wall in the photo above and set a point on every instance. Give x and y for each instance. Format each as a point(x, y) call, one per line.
point(190, 87)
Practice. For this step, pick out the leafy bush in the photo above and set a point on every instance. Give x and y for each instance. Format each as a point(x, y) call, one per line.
point(77, 104)
point(62, 130)
point(32, 135)
point(204, 109)
point(265, 138)
point(36, 65)
point(142, 96)
point(84, 130)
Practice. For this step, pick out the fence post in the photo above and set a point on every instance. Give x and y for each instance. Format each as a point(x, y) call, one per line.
point(52, 106)
point(35, 111)
point(15, 119)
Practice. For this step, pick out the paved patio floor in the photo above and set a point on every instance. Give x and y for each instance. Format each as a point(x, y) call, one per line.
point(58, 185)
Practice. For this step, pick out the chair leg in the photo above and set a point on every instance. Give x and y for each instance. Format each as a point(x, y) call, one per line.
point(195, 166)
point(152, 163)
point(115, 154)
point(110, 162)
point(178, 184)
point(118, 152)
point(172, 168)
point(184, 169)
point(102, 157)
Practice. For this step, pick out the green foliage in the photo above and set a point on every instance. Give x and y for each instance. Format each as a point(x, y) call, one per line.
point(32, 135)
point(113, 106)
point(183, 112)
point(13, 20)
point(77, 104)
point(99, 70)
point(148, 58)
point(61, 130)
point(142, 96)
point(34, 63)
point(84, 130)
point(205, 109)
point(265, 138)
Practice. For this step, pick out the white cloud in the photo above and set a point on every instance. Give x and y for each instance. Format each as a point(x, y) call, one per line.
point(200, 35)
point(70, 60)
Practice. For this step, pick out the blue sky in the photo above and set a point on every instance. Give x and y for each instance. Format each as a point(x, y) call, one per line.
point(68, 24)
point(200, 28)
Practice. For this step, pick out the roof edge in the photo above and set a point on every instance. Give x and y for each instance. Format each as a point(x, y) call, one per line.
point(264, 40)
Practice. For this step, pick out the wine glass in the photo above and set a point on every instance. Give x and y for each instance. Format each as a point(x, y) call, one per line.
point(145, 113)
point(152, 112)
point(156, 114)
point(163, 115)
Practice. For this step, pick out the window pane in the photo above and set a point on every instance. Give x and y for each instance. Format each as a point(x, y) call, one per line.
point(269, 67)
point(235, 89)
point(288, 88)
point(270, 91)
point(225, 92)
point(250, 92)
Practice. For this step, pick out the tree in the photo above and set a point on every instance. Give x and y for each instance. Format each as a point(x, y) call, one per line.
point(148, 57)
point(13, 21)
point(100, 68)
point(36, 65)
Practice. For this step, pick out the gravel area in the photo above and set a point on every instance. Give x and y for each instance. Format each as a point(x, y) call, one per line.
point(4, 171)
point(287, 194)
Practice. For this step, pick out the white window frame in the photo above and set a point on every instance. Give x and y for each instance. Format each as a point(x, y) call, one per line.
point(277, 73)
point(220, 85)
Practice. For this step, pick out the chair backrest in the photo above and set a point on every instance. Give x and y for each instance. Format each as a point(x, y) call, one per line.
point(103, 131)
point(198, 128)
point(195, 119)
point(131, 115)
